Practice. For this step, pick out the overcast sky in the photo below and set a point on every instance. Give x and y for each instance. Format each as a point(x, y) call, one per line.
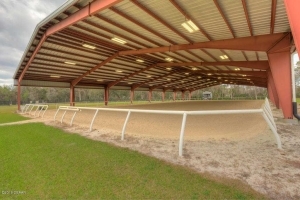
point(17, 22)
point(18, 19)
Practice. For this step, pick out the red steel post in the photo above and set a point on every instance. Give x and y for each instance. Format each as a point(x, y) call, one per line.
point(106, 95)
point(280, 65)
point(72, 95)
point(292, 11)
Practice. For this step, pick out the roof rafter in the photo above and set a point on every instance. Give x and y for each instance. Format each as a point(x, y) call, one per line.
point(224, 18)
point(247, 16)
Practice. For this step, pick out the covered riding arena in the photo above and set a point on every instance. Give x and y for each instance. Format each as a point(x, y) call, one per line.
point(177, 46)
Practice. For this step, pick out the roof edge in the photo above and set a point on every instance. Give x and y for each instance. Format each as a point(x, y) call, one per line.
point(55, 13)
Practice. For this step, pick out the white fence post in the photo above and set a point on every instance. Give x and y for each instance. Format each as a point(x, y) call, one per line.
point(71, 123)
point(56, 113)
point(125, 124)
point(91, 126)
point(62, 118)
point(182, 134)
point(273, 130)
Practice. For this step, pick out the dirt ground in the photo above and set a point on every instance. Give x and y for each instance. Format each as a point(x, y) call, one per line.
point(239, 146)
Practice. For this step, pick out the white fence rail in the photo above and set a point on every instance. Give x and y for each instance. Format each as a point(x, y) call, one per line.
point(265, 111)
point(30, 107)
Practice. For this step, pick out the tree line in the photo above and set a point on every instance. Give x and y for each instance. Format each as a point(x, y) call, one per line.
point(8, 94)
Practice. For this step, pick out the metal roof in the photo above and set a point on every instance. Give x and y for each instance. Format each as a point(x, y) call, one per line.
point(153, 32)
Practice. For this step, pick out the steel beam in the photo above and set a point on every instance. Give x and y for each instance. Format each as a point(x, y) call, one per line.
point(263, 65)
point(90, 9)
point(74, 82)
point(252, 43)
point(130, 75)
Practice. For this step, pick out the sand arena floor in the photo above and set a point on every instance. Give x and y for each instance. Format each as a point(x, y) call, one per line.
point(235, 127)
point(238, 146)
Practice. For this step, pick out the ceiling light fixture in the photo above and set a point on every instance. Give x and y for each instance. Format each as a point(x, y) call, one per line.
point(148, 76)
point(186, 73)
point(169, 59)
point(139, 60)
point(54, 76)
point(190, 26)
point(237, 69)
point(199, 76)
point(219, 77)
point(70, 63)
point(244, 75)
point(194, 68)
point(223, 57)
point(118, 40)
point(88, 46)
point(120, 71)
point(169, 68)
point(209, 74)
point(168, 79)
point(100, 80)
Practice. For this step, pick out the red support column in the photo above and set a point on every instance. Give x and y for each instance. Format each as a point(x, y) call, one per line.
point(149, 95)
point(163, 94)
point(280, 65)
point(292, 11)
point(106, 95)
point(272, 93)
point(174, 95)
point(131, 95)
point(72, 95)
point(19, 96)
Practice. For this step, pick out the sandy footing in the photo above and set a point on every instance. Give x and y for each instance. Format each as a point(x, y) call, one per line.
point(239, 146)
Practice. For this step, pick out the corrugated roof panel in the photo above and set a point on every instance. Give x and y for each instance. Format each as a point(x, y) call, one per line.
point(260, 16)
point(208, 16)
point(234, 12)
point(94, 35)
point(67, 49)
point(216, 53)
point(165, 10)
point(119, 19)
point(60, 60)
point(262, 55)
point(68, 56)
point(111, 35)
point(141, 16)
point(235, 55)
point(251, 55)
point(116, 29)
point(203, 55)
point(281, 19)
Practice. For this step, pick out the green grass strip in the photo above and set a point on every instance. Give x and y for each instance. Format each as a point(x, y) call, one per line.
point(8, 114)
point(43, 162)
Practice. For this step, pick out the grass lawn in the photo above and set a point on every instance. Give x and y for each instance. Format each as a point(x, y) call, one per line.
point(298, 100)
point(8, 114)
point(42, 162)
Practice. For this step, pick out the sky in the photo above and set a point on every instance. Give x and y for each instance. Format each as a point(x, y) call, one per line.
point(17, 23)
